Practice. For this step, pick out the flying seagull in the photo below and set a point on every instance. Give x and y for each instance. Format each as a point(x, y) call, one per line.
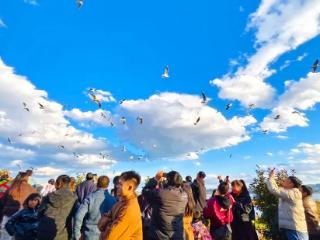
point(80, 3)
point(25, 107)
point(61, 147)
point(229, 105)
point(103, 115)
point(251, 106)
point(122, 101)
point(296, 112)
point(277, 117)
point(124, 149)
point(197, 121)
point(315, 65)
point(123, 120)
point(9, 140)
point(94, 99)
point(140, 120)
point(204, 98)
point(166, 72)
point(76, 155)
point(41, 106)
point(265, 131)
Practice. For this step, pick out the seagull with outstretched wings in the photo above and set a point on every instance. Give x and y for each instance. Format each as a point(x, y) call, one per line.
point(204, 98)
point(96, 100)
point(315, 65)
point(123, 120)
point(79, 3)
point(140, 119)
point(197, 121)
point(229, 105)
point(25, 107)
point(277, 117)
point(41, 106)
point(165, 73)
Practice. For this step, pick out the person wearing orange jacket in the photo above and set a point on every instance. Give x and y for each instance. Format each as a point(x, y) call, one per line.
point(123, 221)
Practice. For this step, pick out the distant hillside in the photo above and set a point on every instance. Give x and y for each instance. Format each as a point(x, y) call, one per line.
point(315, 187)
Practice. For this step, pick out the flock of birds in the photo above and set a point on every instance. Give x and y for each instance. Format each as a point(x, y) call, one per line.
point(165, 75)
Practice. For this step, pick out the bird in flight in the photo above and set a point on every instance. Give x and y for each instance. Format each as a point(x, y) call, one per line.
point(79, 3)
point(204, 98)
point(9, 140)
point(41, 106)
point(252, 106)
point(76, 155)
point(123, 120)
point(25, 107)
point(166, 72)
point(296, 112)
point(103, 115)
point(122, 101)
point(140, 120)
point(315, 65)
point(197, 121)
point(61, 147)
point(265, 131)
point(95, 99)
point(277, 117)
point(229, 105)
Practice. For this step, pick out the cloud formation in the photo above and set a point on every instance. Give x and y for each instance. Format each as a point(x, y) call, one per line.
point(281, 26)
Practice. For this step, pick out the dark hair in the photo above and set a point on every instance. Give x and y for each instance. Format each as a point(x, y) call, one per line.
point(223, 188)
point(201, 174)
point(174, 179)
point(63, 179)
point(295, 181)
point(32, 196)
point(17, 182)
point(29, 172)
point(188, 179)
point(103, 182)
point(190, 207)
point(241, 183)
point(115, 180)
point(213, 192)
point(51, 181)
point(307, 189)
point(89, 176)
point(131, 175)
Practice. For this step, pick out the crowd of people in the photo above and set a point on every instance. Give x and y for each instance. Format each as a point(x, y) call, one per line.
point(168, 208)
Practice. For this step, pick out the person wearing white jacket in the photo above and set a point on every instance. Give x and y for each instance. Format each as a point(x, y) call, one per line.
point(292, 220)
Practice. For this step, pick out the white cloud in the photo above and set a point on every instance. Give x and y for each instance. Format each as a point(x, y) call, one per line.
point(168, 123)
point(101, 95)
point(49, 172)
point(299, 96)
point(36, 134)
point(306, 162)
point(98, 117)
point(282, 137)
point(281, 26)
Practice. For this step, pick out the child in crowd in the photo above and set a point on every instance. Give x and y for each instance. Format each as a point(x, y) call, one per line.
point(200, 230)
point(24, 224)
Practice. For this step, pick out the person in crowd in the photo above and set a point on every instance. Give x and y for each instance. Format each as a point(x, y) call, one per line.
point(188, 180)
point(115, 183)
point(291, 214)
point(48, 188)
point(85, 188)
point(219, 211)
point(24, 224)
point(13, 199)
point(55, 212)
point(90, 212)
point(73, 185)
point(4, 187)
point(168, 208)
point(200, 230)
point(123, 221)
point(310, 209)
point(199, 191)
point(243, 213)
point(188, 214)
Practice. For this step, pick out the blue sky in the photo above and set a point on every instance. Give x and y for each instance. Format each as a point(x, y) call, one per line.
point(244, 52)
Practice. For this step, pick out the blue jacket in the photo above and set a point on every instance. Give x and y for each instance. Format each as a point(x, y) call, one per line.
point(89, 213)
point(84, 190)
point(24, 224)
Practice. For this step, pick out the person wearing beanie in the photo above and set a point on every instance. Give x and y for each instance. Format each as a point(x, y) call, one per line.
point(292, 220)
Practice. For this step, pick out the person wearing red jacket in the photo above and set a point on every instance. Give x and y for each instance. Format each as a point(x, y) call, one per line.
point(219, 212)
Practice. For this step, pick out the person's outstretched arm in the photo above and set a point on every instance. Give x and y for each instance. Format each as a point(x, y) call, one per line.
point(276, 190)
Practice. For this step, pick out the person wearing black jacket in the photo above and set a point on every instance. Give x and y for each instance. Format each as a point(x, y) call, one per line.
point(243, 213)
point(168, 208)
point(199, 191)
